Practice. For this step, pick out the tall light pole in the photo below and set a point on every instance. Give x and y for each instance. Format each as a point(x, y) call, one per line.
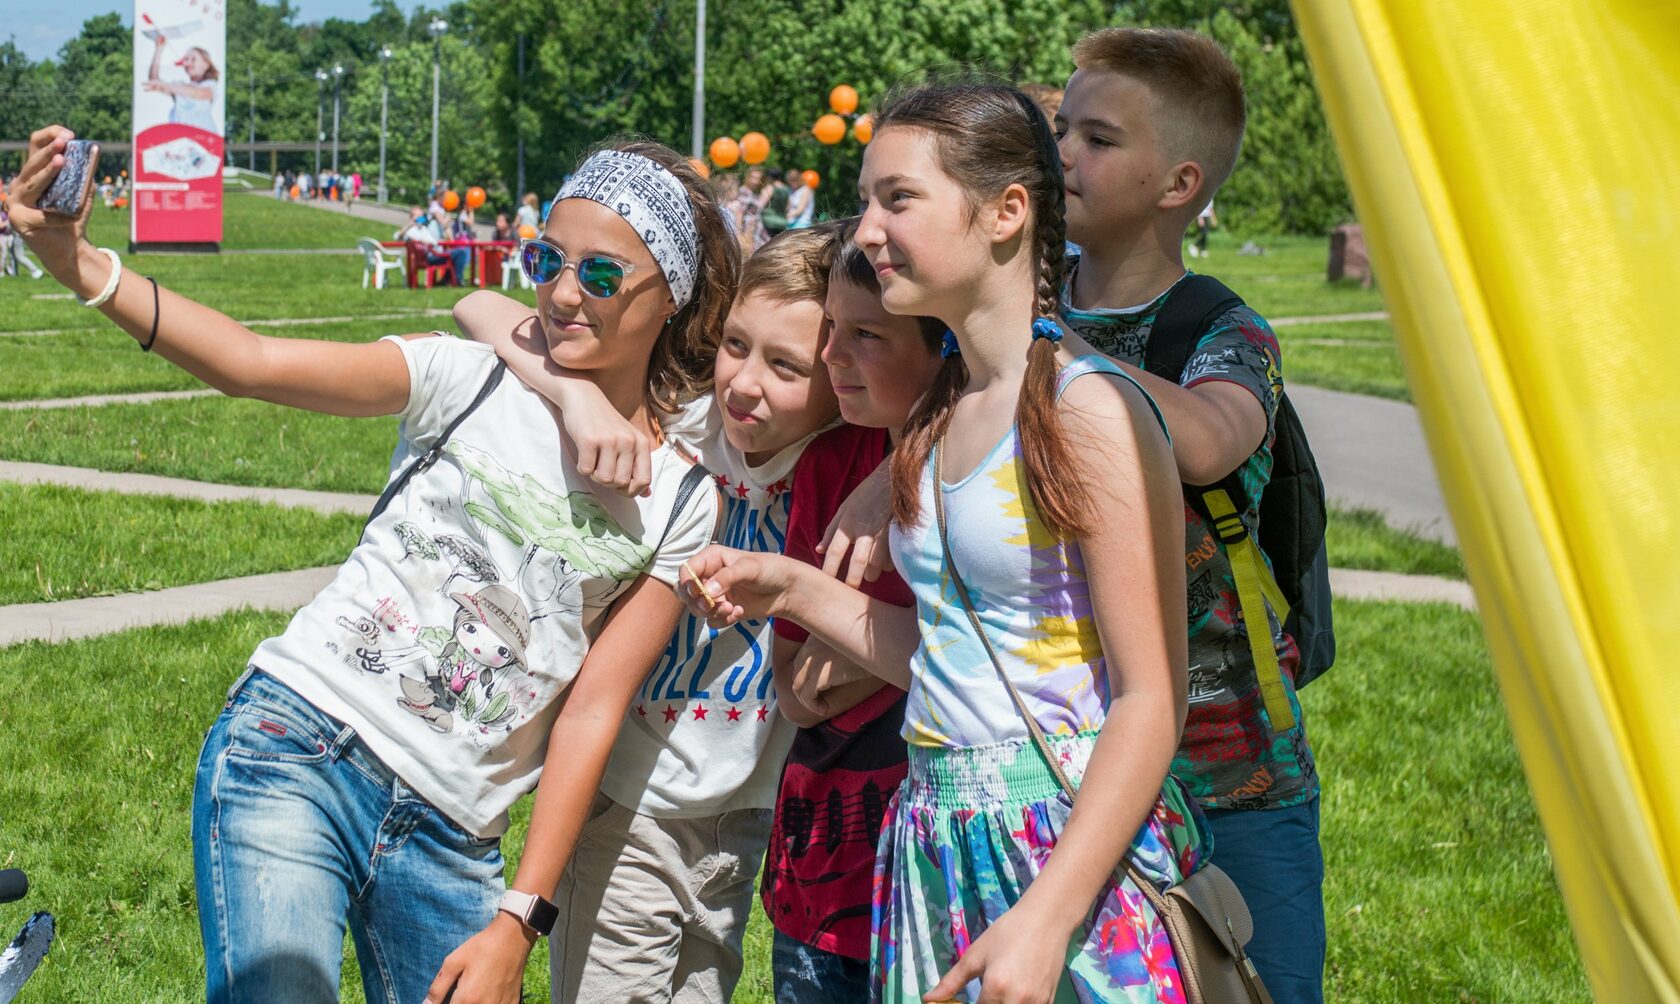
point(437, 28)
point(519, 123)
point(251, 72)
point(384, 110)
point(699, 76)
point(338, 75)
point(320, 98)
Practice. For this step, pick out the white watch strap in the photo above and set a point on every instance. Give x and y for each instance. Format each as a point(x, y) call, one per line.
point(519, 904)
point(110, 284)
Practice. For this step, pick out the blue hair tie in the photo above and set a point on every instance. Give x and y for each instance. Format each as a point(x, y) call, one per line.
point(948, 346)
point(1044, 327)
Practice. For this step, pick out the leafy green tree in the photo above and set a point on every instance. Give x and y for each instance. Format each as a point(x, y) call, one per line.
point(96, 70)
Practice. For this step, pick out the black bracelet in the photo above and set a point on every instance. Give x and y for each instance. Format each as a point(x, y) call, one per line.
point(146, 346)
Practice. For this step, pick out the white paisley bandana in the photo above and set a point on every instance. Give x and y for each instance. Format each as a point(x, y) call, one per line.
point(651, 200)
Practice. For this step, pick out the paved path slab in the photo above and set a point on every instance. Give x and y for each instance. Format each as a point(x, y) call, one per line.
point(98, 400)
point(1285, 322)
point(1359, 584)
point(85, 618)
point(151, 484)
point(99, 615)
point(1372, 455)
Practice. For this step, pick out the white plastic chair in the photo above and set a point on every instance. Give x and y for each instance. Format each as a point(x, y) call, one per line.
point(512, 273)
point(376, 261)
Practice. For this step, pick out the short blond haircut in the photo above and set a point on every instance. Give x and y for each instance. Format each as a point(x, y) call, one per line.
point(1198, 89)
point(793, 266)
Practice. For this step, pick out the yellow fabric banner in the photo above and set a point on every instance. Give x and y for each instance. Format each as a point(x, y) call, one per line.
point(1516, 165)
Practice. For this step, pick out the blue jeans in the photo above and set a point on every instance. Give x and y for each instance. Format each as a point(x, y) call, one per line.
point(298, 828)
point(1273, 856)
point(806, 975)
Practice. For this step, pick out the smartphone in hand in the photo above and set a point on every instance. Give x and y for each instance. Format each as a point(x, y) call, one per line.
point(69, 190)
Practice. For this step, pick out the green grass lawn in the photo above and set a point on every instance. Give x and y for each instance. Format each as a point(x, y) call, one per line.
point(1286, 281)
point(1360, 538)
point(1439, 885)
point(225, 440)
point(64, 543)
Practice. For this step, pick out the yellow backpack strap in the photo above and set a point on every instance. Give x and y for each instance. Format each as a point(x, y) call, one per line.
point(1255, 589)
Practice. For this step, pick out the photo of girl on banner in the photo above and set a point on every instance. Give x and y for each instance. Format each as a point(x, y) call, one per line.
point(180, 51)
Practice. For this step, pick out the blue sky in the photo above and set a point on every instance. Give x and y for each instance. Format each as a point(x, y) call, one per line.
point(43, 27)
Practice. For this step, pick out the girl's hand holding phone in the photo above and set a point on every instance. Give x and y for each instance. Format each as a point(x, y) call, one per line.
point(54, 237)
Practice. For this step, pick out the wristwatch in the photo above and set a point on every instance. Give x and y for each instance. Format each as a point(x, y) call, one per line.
point(533, 911)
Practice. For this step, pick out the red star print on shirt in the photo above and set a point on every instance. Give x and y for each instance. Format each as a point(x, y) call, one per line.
point(670, 713)
point(741, 489)
point(723, 481)
point(700, 713)
point(641, 709)
point(734, 714)
point(779, 488)
point(763, 713)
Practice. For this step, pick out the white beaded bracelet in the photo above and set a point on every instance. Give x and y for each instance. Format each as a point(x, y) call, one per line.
point(110, 284)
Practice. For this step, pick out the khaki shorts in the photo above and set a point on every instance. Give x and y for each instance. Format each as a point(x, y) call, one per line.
point(654, 910)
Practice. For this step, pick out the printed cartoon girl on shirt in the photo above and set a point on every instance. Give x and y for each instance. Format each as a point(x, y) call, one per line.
point(195, 100)
point(467, 667)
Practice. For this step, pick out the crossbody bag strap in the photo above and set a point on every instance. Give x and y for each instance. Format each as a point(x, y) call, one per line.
point(691, 481)
point(430, 457)
point(1142, 881)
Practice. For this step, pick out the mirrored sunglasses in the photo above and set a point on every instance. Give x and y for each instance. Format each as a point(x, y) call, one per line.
point(598, 276)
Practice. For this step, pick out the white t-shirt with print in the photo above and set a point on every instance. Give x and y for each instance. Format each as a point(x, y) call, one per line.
point(703, 735)
point(469, 604)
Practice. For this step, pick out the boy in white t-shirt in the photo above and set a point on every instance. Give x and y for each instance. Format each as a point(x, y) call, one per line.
point(655, 903)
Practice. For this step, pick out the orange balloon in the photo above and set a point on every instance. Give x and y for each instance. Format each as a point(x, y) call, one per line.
point(295, 191)
point(121, 203)
point(725, 152)
point(527, 231)
point(843, 99)
point(755, 147)
point(700, 167)
point(451, 201)
point(864, 129)
point(811, 178)
point(475, 197)
point(829, 130)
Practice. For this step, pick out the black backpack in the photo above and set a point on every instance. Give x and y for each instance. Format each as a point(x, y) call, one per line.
point(1292, 512)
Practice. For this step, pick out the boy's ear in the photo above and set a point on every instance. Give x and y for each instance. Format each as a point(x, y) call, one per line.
point(1184, 187)
point(1012, 208)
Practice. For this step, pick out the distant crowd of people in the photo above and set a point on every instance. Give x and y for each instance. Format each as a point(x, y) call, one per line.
point(330, 186)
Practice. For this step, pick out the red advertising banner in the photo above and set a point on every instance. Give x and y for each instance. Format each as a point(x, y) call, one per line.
point(179, 64)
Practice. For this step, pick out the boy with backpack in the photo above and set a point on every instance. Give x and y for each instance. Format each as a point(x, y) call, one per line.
point(1149, 128)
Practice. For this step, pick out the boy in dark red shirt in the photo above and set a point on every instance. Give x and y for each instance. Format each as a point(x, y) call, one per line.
point(849, 756)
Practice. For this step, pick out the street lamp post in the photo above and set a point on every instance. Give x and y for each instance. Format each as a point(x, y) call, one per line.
point(437, 28)
point(251, 73)
point(338, 75)
point(320, 99)
point(384, 109)
point(699, 77)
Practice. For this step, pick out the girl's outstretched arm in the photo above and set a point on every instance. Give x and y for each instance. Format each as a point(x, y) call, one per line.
point(1135, 564)
point(333, 377)
point(488, 967)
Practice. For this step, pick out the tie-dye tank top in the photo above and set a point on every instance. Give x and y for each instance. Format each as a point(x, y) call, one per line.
point(1030, 591)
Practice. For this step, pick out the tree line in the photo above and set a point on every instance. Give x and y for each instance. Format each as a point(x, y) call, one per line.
point(558, 76)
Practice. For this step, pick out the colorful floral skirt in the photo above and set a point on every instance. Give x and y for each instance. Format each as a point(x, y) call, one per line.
point(971, 828)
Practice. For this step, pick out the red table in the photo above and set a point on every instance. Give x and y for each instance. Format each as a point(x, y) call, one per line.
point(487, 258)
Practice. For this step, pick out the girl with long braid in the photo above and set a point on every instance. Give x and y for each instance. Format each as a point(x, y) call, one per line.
point(1040, 477)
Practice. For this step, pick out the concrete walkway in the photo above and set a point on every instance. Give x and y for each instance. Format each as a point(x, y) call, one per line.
point(67, 619)
point(203, 491)
point(389, 214)
point(98, 400)
point(1372, 455)
point(1286, 322)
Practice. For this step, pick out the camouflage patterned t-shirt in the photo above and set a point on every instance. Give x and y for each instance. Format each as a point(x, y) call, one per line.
point(1230, 757)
